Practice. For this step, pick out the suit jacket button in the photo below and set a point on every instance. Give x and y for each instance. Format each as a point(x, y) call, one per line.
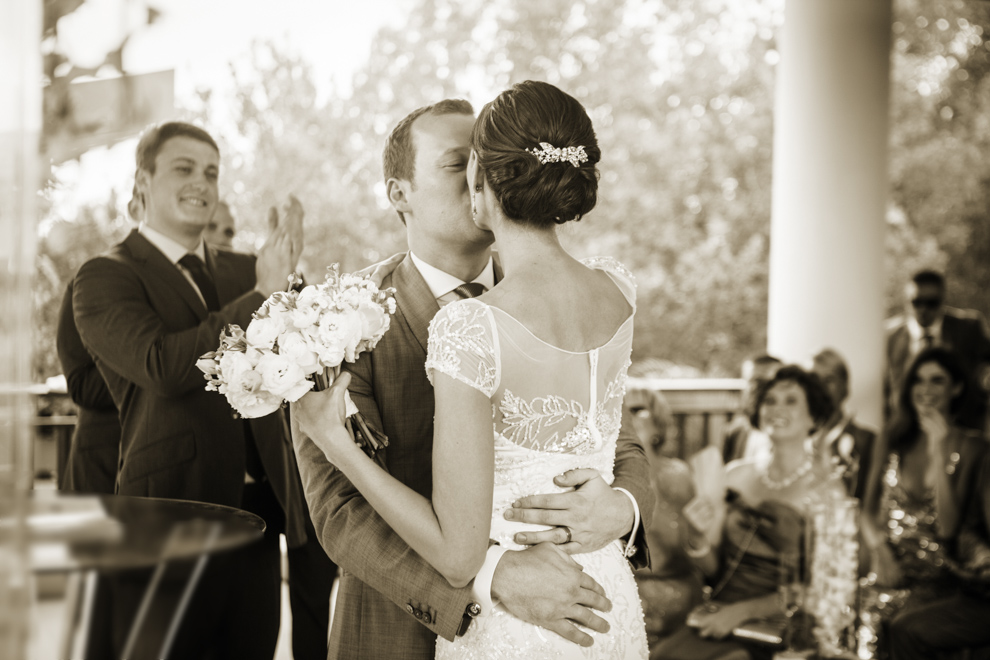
point(409, 608)
point(418, 614)
point(427, 618)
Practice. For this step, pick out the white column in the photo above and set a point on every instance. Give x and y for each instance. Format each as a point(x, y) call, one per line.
point(830, 189)
point(20, 130)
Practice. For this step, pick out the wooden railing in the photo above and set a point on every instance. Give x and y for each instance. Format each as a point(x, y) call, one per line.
point(702, 407)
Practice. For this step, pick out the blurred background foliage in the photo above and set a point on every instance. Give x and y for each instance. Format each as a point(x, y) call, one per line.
point(681, 94)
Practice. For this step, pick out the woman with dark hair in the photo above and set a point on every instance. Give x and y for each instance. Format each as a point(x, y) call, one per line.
point(759, 547)
point(528, 379)
point(927, 488)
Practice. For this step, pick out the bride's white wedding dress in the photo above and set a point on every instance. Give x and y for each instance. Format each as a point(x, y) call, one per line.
point(553, 410)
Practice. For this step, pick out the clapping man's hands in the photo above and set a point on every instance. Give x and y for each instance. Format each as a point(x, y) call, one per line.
point(279, 255)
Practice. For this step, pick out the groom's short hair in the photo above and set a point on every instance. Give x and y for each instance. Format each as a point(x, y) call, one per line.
point(399, 155)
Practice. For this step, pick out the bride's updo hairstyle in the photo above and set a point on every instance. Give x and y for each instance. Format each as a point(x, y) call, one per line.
point(532, 188)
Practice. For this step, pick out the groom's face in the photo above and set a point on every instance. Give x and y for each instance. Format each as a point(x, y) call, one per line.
point(439, 196)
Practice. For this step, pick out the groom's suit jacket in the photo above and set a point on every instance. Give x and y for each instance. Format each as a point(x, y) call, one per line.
point(145, 326)
point(391, 603)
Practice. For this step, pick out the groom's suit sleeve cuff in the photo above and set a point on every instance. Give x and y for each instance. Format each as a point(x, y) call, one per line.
point(630, 548)
point(481, 589)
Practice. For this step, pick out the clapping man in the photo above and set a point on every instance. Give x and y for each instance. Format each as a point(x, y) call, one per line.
point(146, 311)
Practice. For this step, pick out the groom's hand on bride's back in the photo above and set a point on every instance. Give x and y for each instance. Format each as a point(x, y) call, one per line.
point(595, 513)
point(546, 587)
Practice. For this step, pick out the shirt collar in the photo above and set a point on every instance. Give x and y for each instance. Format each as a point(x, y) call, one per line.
point(169, 247)
point(441, 283)
point(917, 333)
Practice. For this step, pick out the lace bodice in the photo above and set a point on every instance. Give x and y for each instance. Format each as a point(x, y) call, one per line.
point(545, 398)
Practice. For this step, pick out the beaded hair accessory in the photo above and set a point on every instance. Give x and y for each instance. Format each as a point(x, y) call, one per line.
point(551, 154)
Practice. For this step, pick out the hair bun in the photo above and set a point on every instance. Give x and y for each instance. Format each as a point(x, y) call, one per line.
point(539, 152)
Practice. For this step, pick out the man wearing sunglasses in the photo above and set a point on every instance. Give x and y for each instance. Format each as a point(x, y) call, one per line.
point(927, 321)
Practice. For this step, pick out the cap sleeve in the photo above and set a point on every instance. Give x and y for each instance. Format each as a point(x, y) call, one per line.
point(463, 344)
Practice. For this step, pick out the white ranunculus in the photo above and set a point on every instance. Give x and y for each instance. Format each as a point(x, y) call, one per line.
point(296, 349)
point(282, 377)
point(262, 332)
point(339, 336)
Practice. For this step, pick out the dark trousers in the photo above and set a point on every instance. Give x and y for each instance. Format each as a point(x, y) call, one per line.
point(234, 611)
point(925, 631)
point(311, 575)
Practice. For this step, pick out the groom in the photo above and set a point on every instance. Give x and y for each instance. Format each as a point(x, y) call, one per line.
point(391, 603)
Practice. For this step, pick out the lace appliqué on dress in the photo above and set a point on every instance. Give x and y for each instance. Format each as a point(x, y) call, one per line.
point(610, 264)
point(462, 345)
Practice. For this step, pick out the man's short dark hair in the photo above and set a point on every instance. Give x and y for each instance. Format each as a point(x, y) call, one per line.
point(929, 277)
point(155, 136)
point(399, 155)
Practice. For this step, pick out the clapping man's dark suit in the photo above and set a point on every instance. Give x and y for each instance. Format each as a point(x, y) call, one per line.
point(92, 463)
point(146, 323)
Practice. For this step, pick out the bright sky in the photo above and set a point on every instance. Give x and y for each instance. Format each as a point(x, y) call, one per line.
point(198, 39)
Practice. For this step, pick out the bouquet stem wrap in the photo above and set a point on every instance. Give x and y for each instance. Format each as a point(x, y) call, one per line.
point(367, 438)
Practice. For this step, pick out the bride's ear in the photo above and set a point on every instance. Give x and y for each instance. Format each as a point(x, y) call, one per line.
point(475, 175)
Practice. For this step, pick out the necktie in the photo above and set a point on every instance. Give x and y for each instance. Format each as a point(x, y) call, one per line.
point(470, 290)
point(928, 340)
point(202, 278)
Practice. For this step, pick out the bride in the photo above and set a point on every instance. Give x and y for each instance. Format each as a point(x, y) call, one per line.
point(541, 358)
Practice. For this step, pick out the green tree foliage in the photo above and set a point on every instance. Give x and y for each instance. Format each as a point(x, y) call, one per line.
point(681, 93)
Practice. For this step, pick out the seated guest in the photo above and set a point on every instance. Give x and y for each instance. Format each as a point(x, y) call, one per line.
point(741, 439)
point(669, 588)
point(843, 443)
point(927, 489)
point(761, 540)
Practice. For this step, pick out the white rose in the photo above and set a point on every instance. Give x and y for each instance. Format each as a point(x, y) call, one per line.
point(309, 303)
point(262, 332)
point(244, 389)
point(207, 365)
point(339, 335)
point(233, 364)
point(374, 321)
point(296, 349)
point(282, 378)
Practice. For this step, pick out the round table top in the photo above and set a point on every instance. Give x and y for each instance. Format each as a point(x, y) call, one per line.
point(70, 531)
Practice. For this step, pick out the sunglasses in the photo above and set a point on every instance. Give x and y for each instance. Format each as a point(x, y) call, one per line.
point(930, 303)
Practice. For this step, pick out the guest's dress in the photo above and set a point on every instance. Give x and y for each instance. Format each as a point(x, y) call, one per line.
point(761, 550)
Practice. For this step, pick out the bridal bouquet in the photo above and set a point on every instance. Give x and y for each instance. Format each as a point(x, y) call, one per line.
point(296, 342)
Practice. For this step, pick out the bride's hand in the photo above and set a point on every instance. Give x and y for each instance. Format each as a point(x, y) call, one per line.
point(321, 416)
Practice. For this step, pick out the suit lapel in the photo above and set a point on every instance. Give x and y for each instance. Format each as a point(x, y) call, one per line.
point(414, 300)
point(164, 270)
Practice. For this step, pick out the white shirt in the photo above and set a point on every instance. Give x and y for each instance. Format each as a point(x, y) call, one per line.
point(917, 333)
point(441, 283)
point(174, 251)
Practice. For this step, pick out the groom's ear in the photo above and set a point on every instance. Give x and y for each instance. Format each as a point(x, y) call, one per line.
point(398, 194)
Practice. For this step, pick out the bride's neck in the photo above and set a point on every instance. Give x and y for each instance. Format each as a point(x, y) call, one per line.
point(520, 246)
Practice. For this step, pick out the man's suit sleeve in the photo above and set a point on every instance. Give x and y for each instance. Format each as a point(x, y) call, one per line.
point(83, 379)
point(361, 542)
point(632, 473)
point(119, 326)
